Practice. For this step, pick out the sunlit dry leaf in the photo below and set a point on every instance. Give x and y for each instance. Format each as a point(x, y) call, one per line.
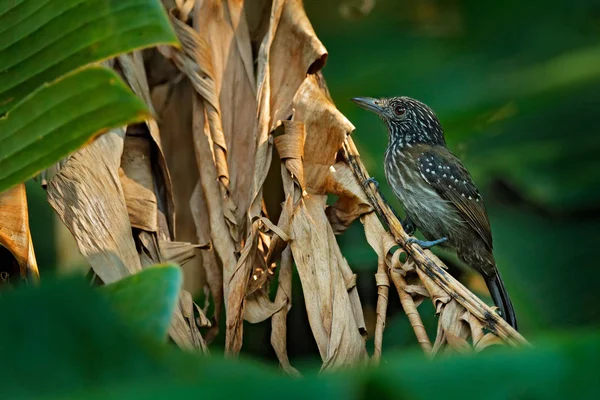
point(452, 329)
point(475, 325)
point(222, 25)
point(438, 296)
point(88, 198)
point(327, 301)
point(489, 339)
point(18, 260)
point(195, 60)
point(259, 307)
point(335, 324)
point(179, 253)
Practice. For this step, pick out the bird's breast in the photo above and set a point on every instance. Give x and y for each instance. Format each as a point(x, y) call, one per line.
point(434, 216)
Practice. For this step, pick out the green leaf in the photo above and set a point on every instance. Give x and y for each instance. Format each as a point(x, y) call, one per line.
point(63, 340)
point(556, 368)
point(78, 348)
point(41, 40)
point(148, 298)
point(60, 117)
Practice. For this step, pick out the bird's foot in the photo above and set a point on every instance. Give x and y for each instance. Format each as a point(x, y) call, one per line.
point(371, 180)
point(426, 244)
point(408, 226)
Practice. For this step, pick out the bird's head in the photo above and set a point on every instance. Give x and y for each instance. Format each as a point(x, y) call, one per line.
point(408, 120)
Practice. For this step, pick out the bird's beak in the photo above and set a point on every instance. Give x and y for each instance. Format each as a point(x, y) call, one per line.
point(368, 103)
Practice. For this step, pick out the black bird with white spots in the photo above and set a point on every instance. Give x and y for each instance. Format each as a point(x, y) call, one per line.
point(436, 190)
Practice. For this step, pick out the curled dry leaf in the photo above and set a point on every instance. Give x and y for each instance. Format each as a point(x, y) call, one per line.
point(452, 329)
point(480, 339)
point(88, 197)
point(17, 258)
point(382, 243)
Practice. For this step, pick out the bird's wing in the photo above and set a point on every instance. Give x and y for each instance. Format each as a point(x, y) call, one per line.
point(451, 180)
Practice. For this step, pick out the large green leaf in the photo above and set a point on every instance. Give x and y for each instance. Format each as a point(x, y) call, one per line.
point(62, 340)
point(148, 298)
point(41, 40)
point(59, 118)
point(557, 368)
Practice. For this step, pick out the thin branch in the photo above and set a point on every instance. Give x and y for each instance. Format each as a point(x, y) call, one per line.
point(433, 268)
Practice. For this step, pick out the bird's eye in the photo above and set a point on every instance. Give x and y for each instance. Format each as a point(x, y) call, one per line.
point(399, 111)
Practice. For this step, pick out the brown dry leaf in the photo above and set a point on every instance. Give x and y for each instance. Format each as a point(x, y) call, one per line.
point(179, 253)
point(88, 198)
point(328, 304)
point(195, 60)
point(382, 242)
point(278, 321)
point(335, 321)
point(210, 262)
point(173, 103)
point(452, 329)
point(439, 297)
point(222, 25)
point(288, 29)
point(479, 339)
point(132, 67)
point(17, 258)
point(489, 339)
point(144, 167)
point(222, 241)
point(139, 177)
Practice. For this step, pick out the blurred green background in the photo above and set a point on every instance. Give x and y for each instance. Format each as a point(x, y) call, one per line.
point(516, 86)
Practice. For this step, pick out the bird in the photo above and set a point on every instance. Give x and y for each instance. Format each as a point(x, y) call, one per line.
point(436, 190)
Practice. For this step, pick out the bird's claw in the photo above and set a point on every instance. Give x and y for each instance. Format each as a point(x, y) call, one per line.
point(426, 244)
point(372, 180)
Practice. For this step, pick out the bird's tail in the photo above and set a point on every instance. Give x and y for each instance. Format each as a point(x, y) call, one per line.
point(501, 299)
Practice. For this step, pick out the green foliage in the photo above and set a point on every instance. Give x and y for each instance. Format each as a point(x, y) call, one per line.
point(61, 117)
point(70, 341)
point(48, 110)
point(42, 40)
point(148, 298)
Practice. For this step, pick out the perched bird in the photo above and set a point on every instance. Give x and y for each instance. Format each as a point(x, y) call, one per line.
point(436, 190)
